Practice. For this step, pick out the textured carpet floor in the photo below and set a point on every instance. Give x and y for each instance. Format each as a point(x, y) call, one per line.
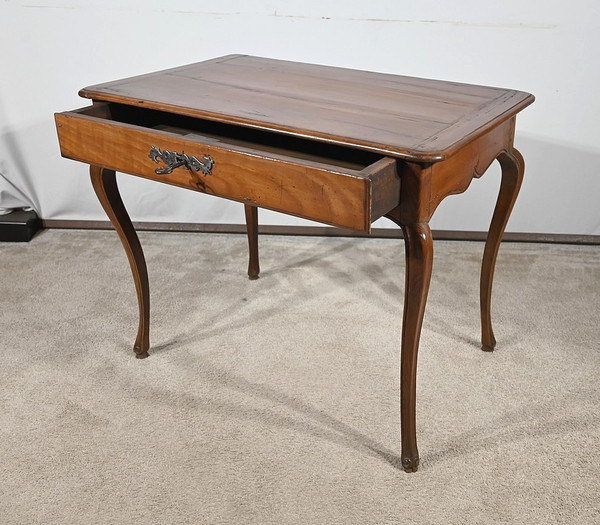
point(276, 401)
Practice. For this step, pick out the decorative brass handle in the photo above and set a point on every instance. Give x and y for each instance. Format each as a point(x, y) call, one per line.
point(175, 160)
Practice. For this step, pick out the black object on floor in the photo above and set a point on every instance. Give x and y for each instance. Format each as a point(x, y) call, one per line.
point(18, 226)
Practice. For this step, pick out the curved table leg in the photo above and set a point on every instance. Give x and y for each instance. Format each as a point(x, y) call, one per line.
point(418, 245)
point(512, 175)
point(252, 229)
point(105, 185)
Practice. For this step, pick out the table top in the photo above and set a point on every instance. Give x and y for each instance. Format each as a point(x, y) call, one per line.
point(411, 118)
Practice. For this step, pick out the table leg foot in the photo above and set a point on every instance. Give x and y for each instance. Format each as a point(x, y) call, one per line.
point(252, 229)
point(105, 185)
point(489, 347)
point(410, 464)
point(512, 175)
point(139, 353)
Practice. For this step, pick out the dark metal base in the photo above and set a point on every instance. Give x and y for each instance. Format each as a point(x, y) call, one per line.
point(18, 226)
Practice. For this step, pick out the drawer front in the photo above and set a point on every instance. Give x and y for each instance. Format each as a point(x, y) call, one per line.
point(337, 196)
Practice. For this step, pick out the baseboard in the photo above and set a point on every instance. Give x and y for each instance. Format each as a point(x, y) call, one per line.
point(324, 231)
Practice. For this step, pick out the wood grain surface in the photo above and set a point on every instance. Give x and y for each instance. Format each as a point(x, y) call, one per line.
point(289, 181)
point(412, 118)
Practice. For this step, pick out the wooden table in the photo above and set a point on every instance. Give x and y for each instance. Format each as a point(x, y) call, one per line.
point(338, 146)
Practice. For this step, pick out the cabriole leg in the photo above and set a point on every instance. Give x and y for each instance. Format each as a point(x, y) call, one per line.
point(252, 229)
point(512, 175)
point(418, 244)
point(105, 185)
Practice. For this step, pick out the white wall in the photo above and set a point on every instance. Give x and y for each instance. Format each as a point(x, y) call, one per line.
point(50, 49)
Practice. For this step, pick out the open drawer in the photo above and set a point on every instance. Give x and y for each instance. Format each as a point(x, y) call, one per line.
point(319, 181)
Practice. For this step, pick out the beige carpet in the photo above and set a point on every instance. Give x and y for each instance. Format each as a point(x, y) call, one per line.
point(276, 401)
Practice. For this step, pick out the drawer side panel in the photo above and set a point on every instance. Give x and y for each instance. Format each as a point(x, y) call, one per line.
point(385, 180)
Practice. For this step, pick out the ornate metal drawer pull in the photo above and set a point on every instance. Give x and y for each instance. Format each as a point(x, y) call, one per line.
point(175, 160)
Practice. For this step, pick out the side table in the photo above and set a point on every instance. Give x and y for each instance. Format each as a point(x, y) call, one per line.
point(338, 146)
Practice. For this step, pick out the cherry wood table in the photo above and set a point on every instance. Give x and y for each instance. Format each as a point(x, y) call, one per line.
point(338, 146)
